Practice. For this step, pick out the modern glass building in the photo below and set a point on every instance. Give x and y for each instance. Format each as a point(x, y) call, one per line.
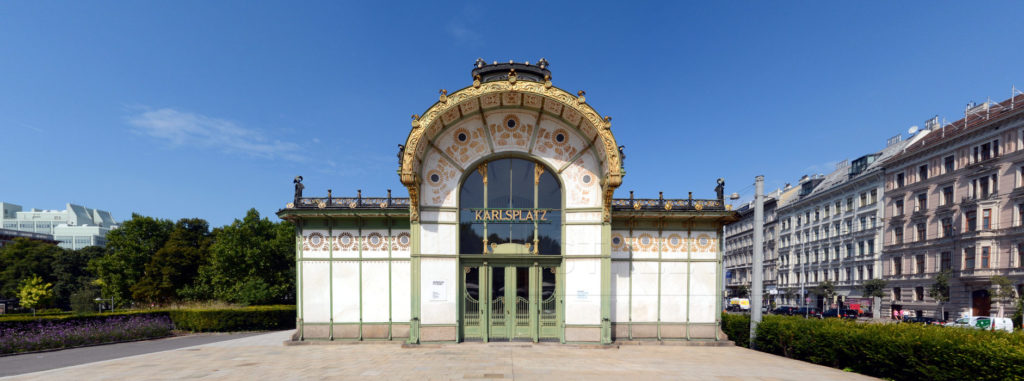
point(511, 232)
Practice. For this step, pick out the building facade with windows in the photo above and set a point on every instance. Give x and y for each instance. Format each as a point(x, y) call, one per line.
point(511, 232)
point(74, 227)
point(739, 248)
point(832, 231)
point(955, 202)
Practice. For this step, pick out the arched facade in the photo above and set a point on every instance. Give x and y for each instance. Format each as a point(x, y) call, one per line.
point(510, 232)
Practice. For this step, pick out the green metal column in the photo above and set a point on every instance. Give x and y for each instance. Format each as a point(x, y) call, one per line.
point(606, 283)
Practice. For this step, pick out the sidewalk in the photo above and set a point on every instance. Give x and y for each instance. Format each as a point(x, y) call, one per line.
point(265, 357)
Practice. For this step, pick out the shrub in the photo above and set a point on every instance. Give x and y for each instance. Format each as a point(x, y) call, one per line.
point(256, 318)
point(84, 301)
point(737, 327)
point(896, 351)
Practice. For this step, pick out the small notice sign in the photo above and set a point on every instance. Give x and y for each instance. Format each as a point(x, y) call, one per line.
point(438, 291)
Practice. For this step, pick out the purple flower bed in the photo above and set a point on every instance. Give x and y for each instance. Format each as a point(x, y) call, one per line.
point(44, 334)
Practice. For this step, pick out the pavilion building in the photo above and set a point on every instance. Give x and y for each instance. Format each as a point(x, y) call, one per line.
point(511, 232)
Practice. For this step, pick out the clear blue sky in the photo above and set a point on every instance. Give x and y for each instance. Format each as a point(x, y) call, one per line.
point(205, 109)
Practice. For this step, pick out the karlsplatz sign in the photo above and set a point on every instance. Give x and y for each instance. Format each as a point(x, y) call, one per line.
point(510, 215)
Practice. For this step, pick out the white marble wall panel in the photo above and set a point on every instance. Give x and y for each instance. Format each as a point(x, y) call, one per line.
point(582, 239)
point(620, 291)
point(673, 292)
point(432, 216)
point(316, 301)
point(582, 291)
point(582, 183)
point(703, 296)
point(315, 243)
point(375, 243)
point(438, 289)
point(514, 138)
point(704, 244)
point(645, 292)
point(674, 245)
point(346, 243)
point(557, 143)
point(620, 244)
point(645, 244)
point(401, 288)
point(594, 217)
point(401, 242)
point(440, 178)
point(346, 292)
point(465, 142)
point(375, 291)
point(437, 238)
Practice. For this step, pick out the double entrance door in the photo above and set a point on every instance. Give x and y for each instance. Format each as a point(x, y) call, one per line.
point(510, 302)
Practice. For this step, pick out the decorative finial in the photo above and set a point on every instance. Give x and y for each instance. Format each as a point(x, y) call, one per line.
point(581, 96)
point(511, 62)
point(547, 81)
point(480, 63)
point(543, 63)
point(512, 76)
point(444, 96)
point(415, 120)
point(476, 81)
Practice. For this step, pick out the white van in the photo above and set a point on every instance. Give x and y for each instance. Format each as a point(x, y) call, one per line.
point(984, 322)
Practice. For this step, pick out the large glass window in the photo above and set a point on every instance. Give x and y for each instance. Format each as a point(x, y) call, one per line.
point(510, 206)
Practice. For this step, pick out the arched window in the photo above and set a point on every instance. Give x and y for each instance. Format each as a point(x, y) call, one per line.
point(510, 206)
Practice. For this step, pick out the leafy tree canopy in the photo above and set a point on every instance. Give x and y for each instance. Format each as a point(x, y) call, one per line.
point(129, 248)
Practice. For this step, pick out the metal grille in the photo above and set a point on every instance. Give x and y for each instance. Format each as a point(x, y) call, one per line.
point(498, 317)
point(472, 315)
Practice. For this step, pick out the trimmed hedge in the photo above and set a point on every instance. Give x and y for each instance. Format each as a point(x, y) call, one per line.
point(737, 327)
point(257, 318)
point(896, 351)
point(254, 318)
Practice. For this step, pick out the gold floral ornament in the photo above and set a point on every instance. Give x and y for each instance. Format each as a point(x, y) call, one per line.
point(289, 205)
point(668, 205)
point(321, 204)
point(698, 206)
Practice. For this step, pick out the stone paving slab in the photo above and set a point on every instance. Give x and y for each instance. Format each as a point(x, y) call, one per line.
point(265, 357)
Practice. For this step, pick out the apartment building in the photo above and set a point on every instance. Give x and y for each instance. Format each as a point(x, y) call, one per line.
point(955, 202)
point(832, 231)
point(739, 248)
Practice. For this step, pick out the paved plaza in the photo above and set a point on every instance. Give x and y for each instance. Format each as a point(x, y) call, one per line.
point(263, 357)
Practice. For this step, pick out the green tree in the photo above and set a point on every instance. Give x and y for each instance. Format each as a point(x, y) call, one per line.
point(32, 292)
point(176, 265)
point(939, 291)
point(129, 248)
point(23, 259)
point(742, 291)
point(71, 273)
point(1002, 291)
point(874, 288)
point(826, 289)
point(252, 261)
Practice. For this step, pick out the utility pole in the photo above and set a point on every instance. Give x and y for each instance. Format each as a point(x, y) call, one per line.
point(757, 268)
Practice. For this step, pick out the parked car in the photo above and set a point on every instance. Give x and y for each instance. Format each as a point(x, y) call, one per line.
point(984, 322)
point(920, 320)
point(808, 312)
point(784, 310)
point(844, 313)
